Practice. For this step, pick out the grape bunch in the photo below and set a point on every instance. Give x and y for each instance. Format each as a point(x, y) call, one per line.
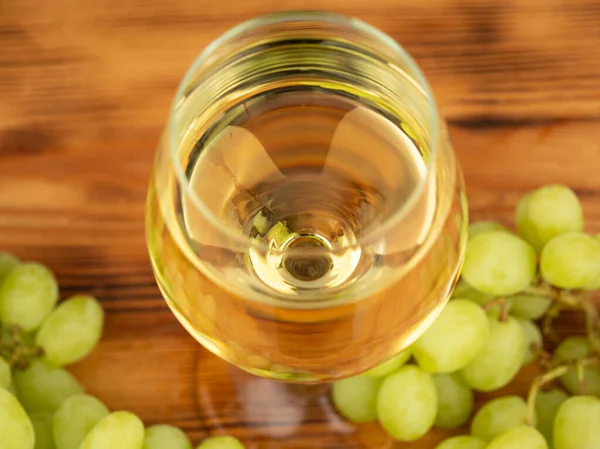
point(500, 317)
point(42, 405)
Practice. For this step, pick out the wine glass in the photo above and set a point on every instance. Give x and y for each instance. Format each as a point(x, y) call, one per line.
point(306, 217)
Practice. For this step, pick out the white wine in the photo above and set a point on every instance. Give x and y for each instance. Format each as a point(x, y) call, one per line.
point(300, 170)
point(305, 229)
point(293, 171)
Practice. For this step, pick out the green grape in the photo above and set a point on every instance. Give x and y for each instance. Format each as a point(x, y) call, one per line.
point(479, 227)
point(387, 368)
point(577, 424)
point(27, 295)
point(521, 437)
point(5, 377)
point(530, 307)
point(222, 442)
point(74, 419)
point(42, 426)
point(121, 430)
point(454, 338)
point(547, 404)
point(594, 284)
point(43, 388)
point(72, 330)
point(500, 359)
point(163, 436)
point(497, 416)
point(462, 442)
point(356, 398)
point(465, 291)
point(574, 348)
point(407, 403)
point(533, 340)
point(7, 263)
point(499, 263)
point(571, 260)
point(455, 401)
point(547, 212)
point(16, 430)
point(11, 389)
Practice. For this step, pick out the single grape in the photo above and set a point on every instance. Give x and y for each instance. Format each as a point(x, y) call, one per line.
point(12, 390)
point(74, 419)
point(28, 294)
point(5, 376)
point(454, 339)
point(465, 291)
point(479, 227)
point(16, 430)
point(497, 416)
point(530, 307)
point(163, 436)
point(462, 442)
point(533, 340)
point(594, 284)
point(387, 368)
point(577, 424)
point(356, 398)
point(455, 401)
point(547, 404)
point(500, 359)
point(407, 403)
point(7, 263)
point(121, 430)
point(571, 260)
point(43, 388)
point(221, 442)
point(574, 348)
point(547, 212)
point(521, 437)
point(499, 263)
point(42, 426)
point(72, 330)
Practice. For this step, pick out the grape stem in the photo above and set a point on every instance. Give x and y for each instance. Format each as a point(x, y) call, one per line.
point(502, 303)
point(557, 295)
point(563, 299)
point(548, 325)
point(592, 324)
point(553, 374)
point(15, 350)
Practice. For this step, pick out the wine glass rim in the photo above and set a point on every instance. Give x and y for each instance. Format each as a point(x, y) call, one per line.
point(316, 16)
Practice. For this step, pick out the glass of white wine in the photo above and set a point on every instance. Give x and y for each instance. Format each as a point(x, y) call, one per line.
point(306, 217)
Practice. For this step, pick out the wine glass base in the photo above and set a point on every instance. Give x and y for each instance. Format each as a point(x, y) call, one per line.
point(269, 414)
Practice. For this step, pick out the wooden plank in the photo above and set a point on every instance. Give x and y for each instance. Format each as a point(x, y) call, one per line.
point(111, 67)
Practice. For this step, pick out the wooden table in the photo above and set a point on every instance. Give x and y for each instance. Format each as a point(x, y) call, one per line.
point(85, 87)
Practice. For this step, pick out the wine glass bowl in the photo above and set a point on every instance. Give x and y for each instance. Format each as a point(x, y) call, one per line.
point(306, 217)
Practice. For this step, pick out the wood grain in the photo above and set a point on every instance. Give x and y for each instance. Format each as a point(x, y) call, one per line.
point(85, 90)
